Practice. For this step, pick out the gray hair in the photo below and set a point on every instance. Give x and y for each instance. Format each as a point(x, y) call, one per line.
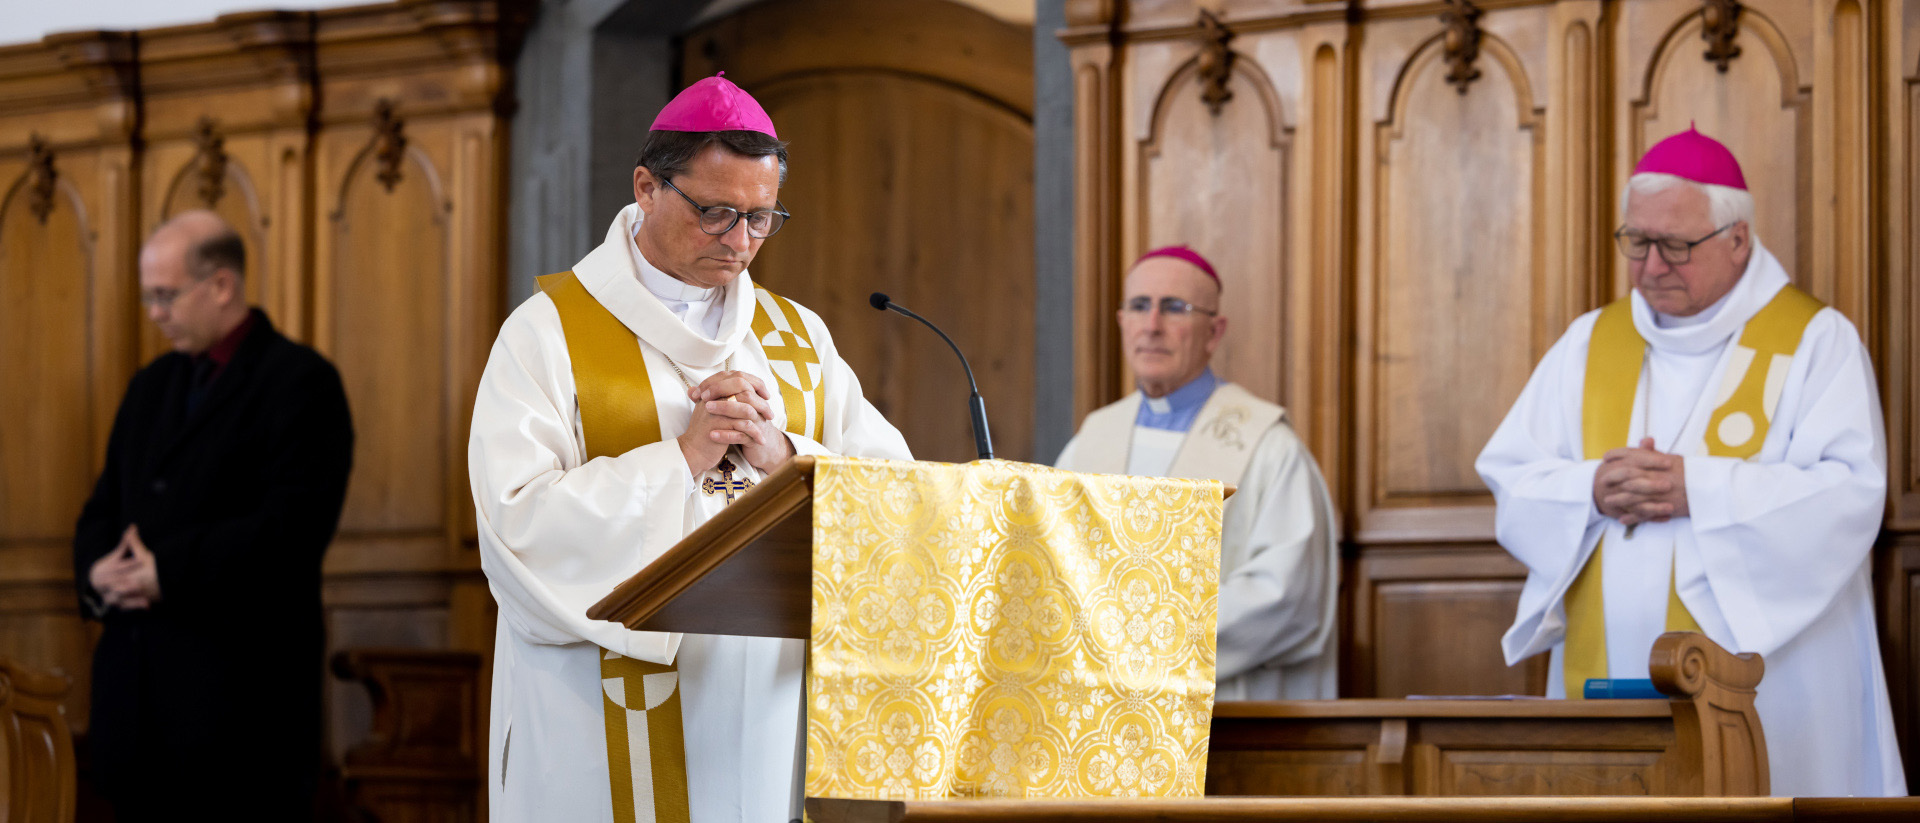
point(1725, 205)
point(668, 153)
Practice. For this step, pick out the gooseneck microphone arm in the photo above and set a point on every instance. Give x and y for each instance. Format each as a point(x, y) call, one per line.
point(982, 440)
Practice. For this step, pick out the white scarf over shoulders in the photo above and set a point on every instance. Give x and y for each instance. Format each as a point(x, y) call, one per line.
point(1774, 557)
point(557, 532)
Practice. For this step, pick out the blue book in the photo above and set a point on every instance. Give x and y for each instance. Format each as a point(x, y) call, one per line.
point(1600, 688)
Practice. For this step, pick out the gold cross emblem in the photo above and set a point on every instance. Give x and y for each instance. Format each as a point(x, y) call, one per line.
point(727, 482)
point(790, 351)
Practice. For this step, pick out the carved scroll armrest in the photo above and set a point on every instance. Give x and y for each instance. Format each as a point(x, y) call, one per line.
point(426, 711)
point(36, 746)
point(1719, 748)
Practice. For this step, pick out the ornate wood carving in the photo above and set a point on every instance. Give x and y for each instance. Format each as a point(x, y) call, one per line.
point(41, 176)
point(37, 745)
point(1713, 714)
point(422, 759)
point(1462, 42)
point(1719, 22)
point(210, 161)
point(1216, 61)
point(391, 141)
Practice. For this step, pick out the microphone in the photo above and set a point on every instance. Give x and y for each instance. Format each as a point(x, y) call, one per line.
point(981, 439)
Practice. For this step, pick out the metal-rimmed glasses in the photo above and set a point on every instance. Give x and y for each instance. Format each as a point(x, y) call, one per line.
point(1169, 306)
point(720, 219)
point(162, 299)
point(1674, 251)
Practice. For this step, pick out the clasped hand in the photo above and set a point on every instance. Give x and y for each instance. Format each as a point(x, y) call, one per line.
point(1640, 484)
point(730, 409)
point(127, 577)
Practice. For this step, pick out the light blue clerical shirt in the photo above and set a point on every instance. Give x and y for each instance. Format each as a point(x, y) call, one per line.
point(1180, 407)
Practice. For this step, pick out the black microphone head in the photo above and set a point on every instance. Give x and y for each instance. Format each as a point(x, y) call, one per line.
point(878, 300)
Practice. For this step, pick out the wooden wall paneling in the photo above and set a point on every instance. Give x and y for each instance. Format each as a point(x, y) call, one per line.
point(912, 175)
point(1097, 65)
point(406, 295)
point(1897, 584)
point(1214, 158)
point(408, 165)
point(67, 113)
point(1428, 620)
point(1761, 107)
point(381, 315)
point(1899, 223)
point(1446, 293)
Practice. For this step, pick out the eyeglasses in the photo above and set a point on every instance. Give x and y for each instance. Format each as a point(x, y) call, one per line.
point(1169, 306)
point(720, 219)
point(1675, 252)
point(162, 299)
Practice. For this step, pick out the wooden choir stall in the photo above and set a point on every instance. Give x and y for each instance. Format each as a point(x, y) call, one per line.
point(748, 571)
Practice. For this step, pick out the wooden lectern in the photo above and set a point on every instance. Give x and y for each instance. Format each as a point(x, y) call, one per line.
point(748, 571)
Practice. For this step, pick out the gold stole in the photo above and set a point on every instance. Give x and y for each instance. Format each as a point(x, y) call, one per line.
point(1737, 428)
point(646, 744)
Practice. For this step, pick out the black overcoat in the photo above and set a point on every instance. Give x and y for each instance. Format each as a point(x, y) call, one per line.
point(213, 695)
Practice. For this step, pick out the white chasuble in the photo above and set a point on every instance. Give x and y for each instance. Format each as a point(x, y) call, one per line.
point(1279, 543)
point(1774, 557)
point(558, 531)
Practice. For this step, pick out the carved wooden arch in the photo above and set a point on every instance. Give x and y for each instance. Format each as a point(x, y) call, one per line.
point(62, 188)
point(1278, 131)
point(1431, 50)
point(773, 90)
point(851, 23)
point(411, 154)
point(1792, 94)
point(235, 173)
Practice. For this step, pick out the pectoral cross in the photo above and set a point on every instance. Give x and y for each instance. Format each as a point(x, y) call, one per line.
point(727, 482)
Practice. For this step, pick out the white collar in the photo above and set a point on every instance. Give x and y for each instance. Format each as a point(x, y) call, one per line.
point(663, 285)
point(1762, 279)
point(613, 275)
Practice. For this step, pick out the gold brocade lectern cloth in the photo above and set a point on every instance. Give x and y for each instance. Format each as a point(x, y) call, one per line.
point(1011, 630)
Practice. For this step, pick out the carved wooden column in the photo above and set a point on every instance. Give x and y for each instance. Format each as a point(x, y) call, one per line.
point(1577, 202)
point(1322, 204)
point(1842, 134)
point(1092, 37)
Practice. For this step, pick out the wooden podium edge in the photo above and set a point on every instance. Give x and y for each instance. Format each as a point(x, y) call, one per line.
point(774, 499)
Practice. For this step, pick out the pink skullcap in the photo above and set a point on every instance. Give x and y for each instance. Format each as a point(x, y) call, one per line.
point(714, 104)
point(1182, 253)
point(1696, 157)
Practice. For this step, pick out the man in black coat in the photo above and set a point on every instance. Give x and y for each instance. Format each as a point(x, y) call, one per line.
point(200, 550)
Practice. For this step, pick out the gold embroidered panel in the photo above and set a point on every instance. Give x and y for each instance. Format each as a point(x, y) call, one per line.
point(1010, 630)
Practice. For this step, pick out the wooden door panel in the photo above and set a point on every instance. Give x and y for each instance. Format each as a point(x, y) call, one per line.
point(911, 174)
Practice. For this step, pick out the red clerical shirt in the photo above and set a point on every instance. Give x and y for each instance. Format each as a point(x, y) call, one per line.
point(219, 354)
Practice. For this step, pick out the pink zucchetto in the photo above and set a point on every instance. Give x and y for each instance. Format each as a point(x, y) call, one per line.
point(1182, 253)
point(714, 104)
point(1696, 157)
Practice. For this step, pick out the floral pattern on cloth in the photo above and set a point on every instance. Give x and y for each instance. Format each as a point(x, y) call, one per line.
point(1004, 629)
